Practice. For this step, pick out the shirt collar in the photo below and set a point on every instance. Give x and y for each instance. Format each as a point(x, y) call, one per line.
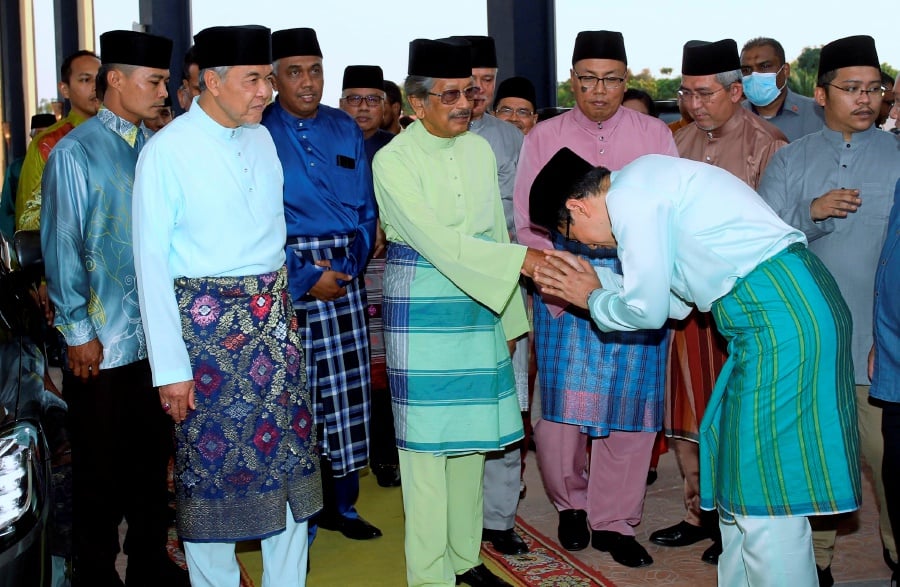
point(122, 127)
point(836, 137)
point(589, 125)
point(428, 141)
point(206, 123)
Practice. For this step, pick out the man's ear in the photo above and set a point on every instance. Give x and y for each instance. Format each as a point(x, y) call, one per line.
point(577, 207)
point(418, 106)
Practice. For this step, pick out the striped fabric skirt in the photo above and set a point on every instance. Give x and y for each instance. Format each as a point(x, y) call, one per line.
point(780, 437)
point(451, 379)
point(601, 381)
point(249, 447)
point(696, 356)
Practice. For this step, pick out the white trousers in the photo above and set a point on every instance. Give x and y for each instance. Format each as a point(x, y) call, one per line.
point(284, 555)
point(767, 552)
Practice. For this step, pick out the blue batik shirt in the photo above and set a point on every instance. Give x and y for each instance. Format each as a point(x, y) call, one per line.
point(328, 189)
point(86, 237)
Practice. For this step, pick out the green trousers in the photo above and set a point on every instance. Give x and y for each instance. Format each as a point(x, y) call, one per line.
point(442, 502)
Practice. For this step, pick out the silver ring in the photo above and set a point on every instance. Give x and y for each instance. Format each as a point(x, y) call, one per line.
point(166, 407)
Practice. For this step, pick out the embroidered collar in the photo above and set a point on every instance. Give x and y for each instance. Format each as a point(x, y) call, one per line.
point(122, 127)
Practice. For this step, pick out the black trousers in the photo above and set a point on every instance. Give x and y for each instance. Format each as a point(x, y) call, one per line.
point(119, 434)
point(890, 430)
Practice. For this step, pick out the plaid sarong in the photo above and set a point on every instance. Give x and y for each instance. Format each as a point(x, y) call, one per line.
point(598, 380)
point(336, 341)
point(449, 369)
point(780, 437)
point(249, 447)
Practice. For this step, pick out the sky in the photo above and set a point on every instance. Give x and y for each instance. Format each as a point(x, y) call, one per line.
point(378, 33)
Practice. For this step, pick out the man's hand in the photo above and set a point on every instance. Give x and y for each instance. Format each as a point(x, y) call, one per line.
point(568, 277)
point(871, 362)
point(84, 359)
point(380, 242)
point(327, 289)
point(179, 397)
point(835, 204)
point(533, 257)
point(42, 299)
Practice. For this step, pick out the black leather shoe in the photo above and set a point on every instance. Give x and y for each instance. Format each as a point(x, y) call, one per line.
point(825, 578)
point(573, 530)
point(480, 576)
point(681, 534)
point(358, 529)
point(625, 550)
point(711, 554)
point(387, 475)
point(505, 541)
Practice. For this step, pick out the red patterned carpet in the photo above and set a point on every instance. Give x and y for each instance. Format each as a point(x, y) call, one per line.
point(546, 565)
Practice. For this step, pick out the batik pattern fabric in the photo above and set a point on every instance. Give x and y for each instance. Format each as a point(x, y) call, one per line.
point(450, 374)
point(249, 447)
point(337, 359)
point(374, 277)
point(597, 380)
point(779, 437)
point(697, 353)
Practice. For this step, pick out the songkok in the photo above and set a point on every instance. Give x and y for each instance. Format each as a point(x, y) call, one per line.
point(224, 46)
point(849, 52)
point(363, 76)
point(705, 58)
point(42, 120)
point(295, 43)
point(554, 185)
point(134, 48)
point(599, 45)
point(516, 87)
point(484, 53)
point(442, 58)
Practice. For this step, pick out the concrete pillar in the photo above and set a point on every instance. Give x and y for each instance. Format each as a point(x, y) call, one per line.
point(525, 34)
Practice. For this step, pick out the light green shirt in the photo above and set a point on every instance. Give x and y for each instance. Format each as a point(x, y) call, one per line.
point(441, 197)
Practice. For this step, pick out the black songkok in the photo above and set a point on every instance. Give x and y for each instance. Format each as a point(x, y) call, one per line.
point(849, 52)
point(484, 53)
point(363, 76)
point(554, 185)
point(705, 58)
point(443, 58)
point(134, 48)
point(301, 42)
point(516, 87)
point(224, 46)
point(42, 120)
point(599, 45)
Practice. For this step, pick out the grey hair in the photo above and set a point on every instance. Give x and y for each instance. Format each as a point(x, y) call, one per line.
point(726, 78)
point(418, 86)
point(220, 71)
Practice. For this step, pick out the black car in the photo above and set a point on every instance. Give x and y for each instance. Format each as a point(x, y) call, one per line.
point(25, 490)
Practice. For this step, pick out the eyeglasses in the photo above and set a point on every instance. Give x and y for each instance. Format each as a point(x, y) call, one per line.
point(856, 91)
point(704, 97)
point(356, 99)
point(520, 112)
point(449, 97)
point(589, 82)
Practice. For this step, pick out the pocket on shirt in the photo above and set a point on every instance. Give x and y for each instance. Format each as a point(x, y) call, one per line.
point(877, 200)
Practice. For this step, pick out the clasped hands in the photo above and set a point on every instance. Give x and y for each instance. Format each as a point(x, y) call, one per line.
point(561, 274)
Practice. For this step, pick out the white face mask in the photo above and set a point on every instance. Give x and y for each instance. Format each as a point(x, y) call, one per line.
point(762, 88)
